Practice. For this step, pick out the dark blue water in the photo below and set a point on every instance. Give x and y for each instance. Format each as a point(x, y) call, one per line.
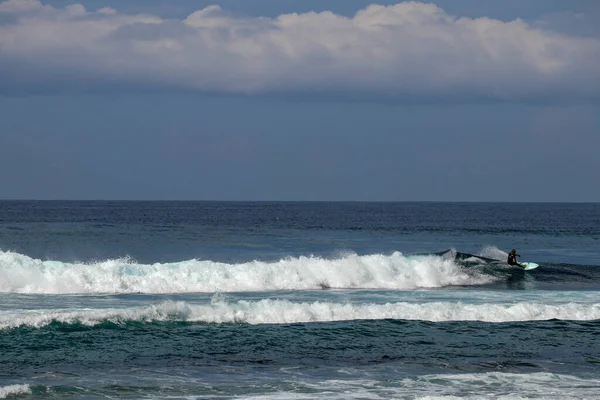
point(298, 300)
point(172, 231)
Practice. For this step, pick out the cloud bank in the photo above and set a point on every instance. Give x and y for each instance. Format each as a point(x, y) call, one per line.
point(408, 50)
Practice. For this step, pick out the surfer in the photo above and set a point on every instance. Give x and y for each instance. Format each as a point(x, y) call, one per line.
point(512, 258)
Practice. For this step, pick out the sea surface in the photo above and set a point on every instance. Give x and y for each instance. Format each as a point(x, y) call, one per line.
point(235, 300)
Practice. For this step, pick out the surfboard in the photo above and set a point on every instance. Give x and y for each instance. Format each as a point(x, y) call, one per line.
point(529, 265)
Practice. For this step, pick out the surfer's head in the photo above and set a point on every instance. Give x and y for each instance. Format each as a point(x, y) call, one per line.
point(513, 251)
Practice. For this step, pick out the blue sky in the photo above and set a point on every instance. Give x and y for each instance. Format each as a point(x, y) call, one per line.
point(461, 100)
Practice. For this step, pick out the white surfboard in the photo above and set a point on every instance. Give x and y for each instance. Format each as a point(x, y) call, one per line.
point(529, 265)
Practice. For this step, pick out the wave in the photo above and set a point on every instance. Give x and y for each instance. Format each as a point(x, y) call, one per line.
point(488, 255)
point(13, 390)
point(286, 312)
point(22, 274)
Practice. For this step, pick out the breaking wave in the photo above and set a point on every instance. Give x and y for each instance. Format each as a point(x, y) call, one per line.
point(22, 274)
point(13, 390)
point(269, 311)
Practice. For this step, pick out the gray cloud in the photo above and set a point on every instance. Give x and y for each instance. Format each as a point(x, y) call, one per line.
point(408, 50)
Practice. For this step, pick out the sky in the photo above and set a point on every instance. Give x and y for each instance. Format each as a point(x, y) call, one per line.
point(289, 100)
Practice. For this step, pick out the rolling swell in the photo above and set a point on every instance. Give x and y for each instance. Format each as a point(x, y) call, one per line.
point(462, 346)
point(548, 275)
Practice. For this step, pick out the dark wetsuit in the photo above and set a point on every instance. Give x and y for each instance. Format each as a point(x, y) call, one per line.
point(512, 259)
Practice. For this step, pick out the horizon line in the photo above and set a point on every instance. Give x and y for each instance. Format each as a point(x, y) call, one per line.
point(297, 201)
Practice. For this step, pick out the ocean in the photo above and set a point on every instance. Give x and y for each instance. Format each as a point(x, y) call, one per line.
point(284, 300)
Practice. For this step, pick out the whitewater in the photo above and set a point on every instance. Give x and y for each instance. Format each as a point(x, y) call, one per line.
point(22, 274)
point(286, 312)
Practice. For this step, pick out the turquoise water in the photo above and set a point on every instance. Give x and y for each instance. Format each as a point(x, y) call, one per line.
point(298, 300)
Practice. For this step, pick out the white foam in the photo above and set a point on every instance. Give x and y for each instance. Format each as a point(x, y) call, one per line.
point(284, 311)
point(503, 386)
point(13, 390)
point(22, 274)
point(496, 385)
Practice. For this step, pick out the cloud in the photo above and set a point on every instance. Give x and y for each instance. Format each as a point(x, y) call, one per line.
point(410, 50)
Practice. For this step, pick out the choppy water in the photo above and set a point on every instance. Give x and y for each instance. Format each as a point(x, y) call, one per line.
point(298, 300)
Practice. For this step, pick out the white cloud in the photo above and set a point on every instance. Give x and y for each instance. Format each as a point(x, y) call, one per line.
point(406, 50)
